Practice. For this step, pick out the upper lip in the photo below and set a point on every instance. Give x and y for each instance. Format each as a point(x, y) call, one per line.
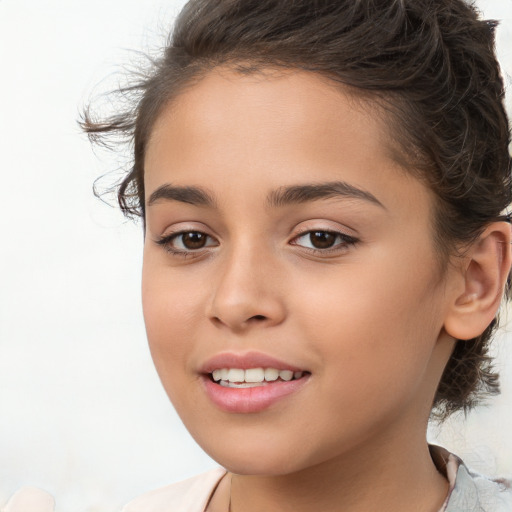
point(244, 361)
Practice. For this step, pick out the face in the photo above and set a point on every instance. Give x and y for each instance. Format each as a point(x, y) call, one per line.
point(293, 301)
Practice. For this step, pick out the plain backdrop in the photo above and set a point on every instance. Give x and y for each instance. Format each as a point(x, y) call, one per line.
point(82, 413)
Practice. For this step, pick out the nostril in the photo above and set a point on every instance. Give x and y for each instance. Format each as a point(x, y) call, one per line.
point(258, 317)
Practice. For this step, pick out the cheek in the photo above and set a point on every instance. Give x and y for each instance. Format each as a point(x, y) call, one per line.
point(374, 328)
point(171, 313)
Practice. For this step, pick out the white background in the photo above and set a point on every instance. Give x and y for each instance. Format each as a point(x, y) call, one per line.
point(82, 413)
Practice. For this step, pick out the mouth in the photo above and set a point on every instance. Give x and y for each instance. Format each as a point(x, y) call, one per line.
point(251, 382)
point(241, 378)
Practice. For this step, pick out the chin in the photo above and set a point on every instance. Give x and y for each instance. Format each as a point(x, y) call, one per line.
point(262, 467)
point(251, 458)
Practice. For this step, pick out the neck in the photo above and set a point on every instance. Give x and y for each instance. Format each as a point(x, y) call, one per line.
point(384, 477)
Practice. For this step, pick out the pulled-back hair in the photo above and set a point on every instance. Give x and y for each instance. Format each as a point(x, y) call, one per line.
point(429, 64)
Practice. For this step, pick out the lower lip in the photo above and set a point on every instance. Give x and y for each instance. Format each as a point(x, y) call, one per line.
point(249, 400)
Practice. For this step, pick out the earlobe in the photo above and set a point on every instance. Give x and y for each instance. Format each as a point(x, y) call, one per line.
point(483, 279)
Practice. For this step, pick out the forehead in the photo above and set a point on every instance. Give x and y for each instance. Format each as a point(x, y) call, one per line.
point(292, 92)
point(280, 104)
point(283, 127)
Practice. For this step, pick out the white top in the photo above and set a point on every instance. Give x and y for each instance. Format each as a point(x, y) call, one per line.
point(191, 495)
point(30, 499)
point(469, 492)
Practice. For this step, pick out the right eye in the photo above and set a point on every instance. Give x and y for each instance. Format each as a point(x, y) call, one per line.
point(185, 242)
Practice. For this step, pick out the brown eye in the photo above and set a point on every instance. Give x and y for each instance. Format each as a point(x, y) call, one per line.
point(186, 242)
point(322, 239)
point(193, 240)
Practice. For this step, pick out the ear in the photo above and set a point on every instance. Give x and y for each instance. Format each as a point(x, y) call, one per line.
point(480, 284)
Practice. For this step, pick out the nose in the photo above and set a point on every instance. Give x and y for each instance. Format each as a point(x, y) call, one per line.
point(247, 292)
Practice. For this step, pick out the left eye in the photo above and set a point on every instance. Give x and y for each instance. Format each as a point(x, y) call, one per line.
point(323, 240)
point(187, 241)
point(192, 240)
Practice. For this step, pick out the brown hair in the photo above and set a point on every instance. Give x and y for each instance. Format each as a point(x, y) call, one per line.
point(429, 63)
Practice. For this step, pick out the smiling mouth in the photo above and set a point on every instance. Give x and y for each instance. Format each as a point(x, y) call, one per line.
point(253, 377)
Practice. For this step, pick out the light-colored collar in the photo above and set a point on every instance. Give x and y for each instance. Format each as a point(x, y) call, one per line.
point(469, 491)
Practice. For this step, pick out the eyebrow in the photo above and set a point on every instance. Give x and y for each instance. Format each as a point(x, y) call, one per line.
point(283, 196)
point(298, 194)
point(191, 195)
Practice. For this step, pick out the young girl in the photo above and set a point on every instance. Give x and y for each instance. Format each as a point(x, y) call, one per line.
point(323, 186)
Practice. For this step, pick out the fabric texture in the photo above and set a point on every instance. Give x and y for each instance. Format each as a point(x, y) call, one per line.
point(469, 491)
point(191, 495)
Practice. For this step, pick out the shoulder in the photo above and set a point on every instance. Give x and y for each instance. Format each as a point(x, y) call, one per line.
point(470, 491)
point(30, 498)
point(189, 495)
point(478, 493)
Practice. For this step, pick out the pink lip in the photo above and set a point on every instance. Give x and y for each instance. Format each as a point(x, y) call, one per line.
point(254, 399)
point(244, 361)
point(251, 400)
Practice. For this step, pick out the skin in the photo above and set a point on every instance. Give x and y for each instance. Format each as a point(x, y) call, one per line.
point(367, 319)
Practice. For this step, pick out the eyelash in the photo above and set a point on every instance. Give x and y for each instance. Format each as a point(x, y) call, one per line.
point(344, 242)
point(165, 242)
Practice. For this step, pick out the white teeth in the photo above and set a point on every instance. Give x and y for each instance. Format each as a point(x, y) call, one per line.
point(271, 374)
point(286, 374)
point(255, 375)
point(238, 376)
point(228, 384)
